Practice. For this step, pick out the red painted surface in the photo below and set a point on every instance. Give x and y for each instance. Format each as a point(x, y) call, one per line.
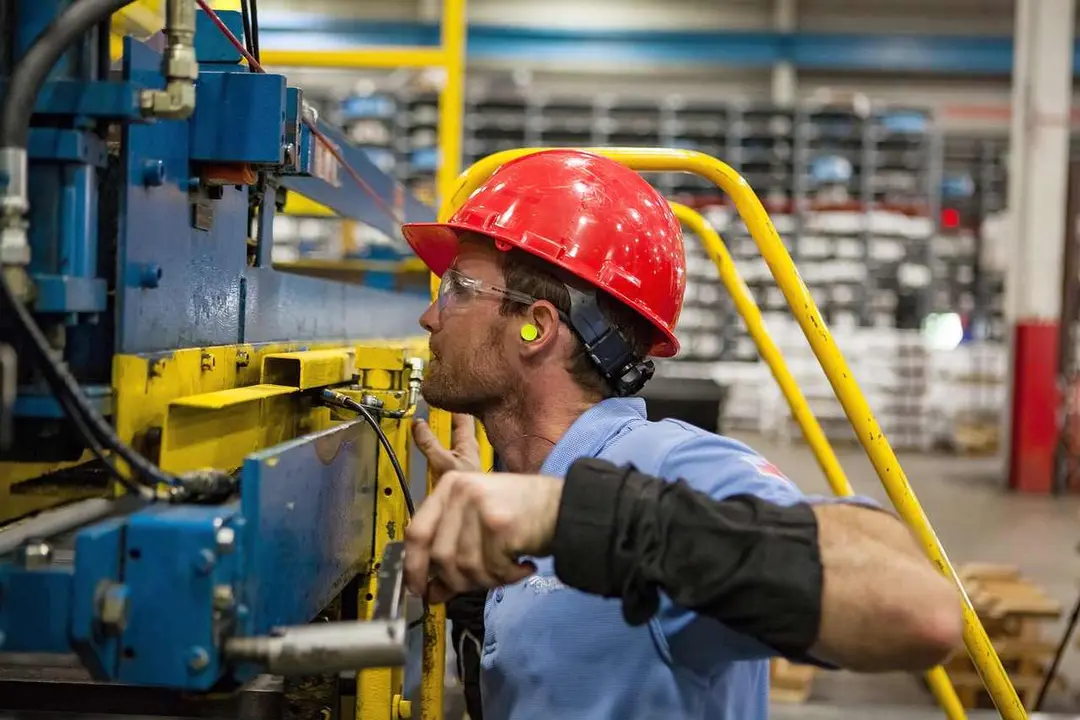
point(1035, 402)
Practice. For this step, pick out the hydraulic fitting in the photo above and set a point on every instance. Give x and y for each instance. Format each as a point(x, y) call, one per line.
point(179, 65)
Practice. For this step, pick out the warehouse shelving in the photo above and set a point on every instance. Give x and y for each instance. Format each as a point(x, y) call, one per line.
point(975, 187)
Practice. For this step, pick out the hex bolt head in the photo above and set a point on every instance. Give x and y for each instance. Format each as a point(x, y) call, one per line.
point(153, 173)
point(224, 598)
point(198, 659)
point(226, 539)
point(35, 554)
point(204, 561)
point(113, 605)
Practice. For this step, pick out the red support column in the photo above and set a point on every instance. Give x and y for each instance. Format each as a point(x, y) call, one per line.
point(1034, 437)
point(1038, 179)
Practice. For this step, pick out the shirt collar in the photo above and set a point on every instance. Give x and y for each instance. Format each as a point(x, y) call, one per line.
point(592, 431)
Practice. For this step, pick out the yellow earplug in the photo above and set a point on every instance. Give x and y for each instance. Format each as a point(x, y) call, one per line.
point(529, 332)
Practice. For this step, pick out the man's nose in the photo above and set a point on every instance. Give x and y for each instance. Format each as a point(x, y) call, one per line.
point(430, 319)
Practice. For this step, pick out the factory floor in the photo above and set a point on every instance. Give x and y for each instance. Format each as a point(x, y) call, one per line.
point(977, 520)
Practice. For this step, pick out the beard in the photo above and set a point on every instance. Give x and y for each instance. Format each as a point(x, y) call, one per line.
point(472, 381)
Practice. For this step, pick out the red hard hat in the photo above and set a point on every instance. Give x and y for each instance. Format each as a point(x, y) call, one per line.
point(589, 215)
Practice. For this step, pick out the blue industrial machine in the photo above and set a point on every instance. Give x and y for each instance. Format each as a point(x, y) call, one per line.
point(190, 462)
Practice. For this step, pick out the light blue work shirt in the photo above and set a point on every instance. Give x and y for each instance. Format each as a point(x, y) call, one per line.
point(551, 651)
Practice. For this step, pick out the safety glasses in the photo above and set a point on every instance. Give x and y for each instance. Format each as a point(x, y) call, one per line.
point(456, 289)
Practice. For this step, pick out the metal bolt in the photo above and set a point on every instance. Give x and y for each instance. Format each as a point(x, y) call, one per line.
point(208, 361)
point(371, 401)
point(290, 154)
point(402, 708)
point(153, 173)
point(204, 562)
point(113, 605)
point(226, 539)
point(149, 276)
point(35, 554)
point(243, 359)
point(224, 598)
point(198, 659)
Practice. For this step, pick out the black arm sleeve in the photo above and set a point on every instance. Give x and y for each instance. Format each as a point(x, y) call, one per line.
point(753, 565)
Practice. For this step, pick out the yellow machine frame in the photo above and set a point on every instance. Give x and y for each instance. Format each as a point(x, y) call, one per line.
point(832, 361)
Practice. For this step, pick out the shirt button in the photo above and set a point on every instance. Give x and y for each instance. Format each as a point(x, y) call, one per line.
point(498, 594)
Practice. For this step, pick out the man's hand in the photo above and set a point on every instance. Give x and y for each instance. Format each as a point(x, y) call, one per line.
point(464, 452)
point(470, 532)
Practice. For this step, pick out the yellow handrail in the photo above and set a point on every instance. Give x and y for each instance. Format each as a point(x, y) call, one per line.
point(832, 361)
point(937, 678)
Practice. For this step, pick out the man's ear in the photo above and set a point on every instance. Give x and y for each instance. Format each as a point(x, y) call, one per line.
point(539, 327)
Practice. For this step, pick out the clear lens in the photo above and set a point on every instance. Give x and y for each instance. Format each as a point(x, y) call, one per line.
point(451, 289)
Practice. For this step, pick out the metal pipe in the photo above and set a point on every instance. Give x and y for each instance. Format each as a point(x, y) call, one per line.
point(324, 648)
point(54, 522)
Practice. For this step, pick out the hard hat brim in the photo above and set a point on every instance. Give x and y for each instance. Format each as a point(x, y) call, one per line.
point(437, 244)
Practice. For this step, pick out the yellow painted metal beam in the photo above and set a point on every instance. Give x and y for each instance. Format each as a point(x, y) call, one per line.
point(219, 429)
point(140, 19)
point(296, 204)
point(183, 386)
point(805, 310)
point(379, 691)
point(815, 437)
point(309, 369)
point(389, 58)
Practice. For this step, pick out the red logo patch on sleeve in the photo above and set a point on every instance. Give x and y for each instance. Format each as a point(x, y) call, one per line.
point(766, 468)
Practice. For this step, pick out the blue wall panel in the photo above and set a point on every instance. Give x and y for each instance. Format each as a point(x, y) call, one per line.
point(819, 51)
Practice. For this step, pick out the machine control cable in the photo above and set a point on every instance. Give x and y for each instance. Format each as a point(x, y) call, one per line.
point(333, 397)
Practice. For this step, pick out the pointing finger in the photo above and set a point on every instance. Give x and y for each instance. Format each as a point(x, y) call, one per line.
point(463, 431)
point(437, 456)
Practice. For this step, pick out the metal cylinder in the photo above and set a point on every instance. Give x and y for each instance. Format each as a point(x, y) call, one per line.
point(54, 522)
point(14, 195)
point(325, 648)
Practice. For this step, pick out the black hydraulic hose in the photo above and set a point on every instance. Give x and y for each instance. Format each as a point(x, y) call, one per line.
point(71, 395)
point(255, 29)
point(143, 491)
point(342, 400)
point(245, 17)
point(29, 73)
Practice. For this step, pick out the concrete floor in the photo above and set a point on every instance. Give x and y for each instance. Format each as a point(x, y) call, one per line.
point(977, 519)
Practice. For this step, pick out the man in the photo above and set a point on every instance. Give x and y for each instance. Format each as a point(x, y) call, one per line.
point(560, 275)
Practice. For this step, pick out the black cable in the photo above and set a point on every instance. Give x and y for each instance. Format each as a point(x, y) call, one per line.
point(345, 401)
point(1070, 628)
point(249, 42)
point(255, 29)
point(130, 485)
point(71, 396)
point(29, 74)
point(16, 109)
